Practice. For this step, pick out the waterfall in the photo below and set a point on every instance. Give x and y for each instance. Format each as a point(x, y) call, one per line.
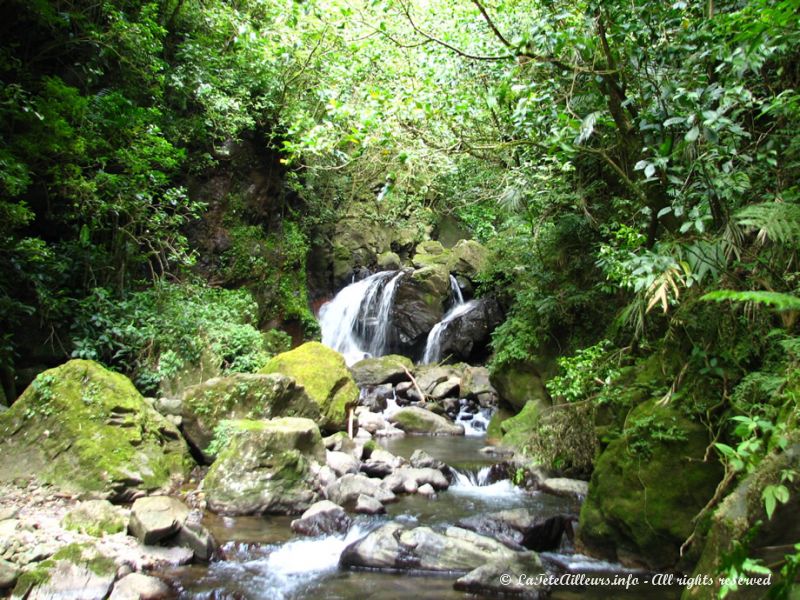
point(356, 322)
point(433, 345)
point(455, 289)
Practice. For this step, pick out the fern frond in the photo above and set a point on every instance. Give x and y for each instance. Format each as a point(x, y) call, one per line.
point(776, 221)
point(776, 300)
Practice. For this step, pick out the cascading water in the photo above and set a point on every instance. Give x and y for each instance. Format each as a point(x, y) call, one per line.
point(455, 289)
point(433, 345)
point(356, 322)
point(475, 422)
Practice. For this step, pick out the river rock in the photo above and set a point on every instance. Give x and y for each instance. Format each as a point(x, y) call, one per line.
point(389, 430)
point(371, 421)
point(8, 574)
point(325, 377)
point(412, 419)
point(196, 537)
point(409, 480)
point(95, 518)
point(467, 336)
point(349, 487)
point(368, 505)
point(75, 571)
point(265, 468)
point(240, 396)
point(136, 586)
point(419, 304)
point(323, 518)
point(93, 435)
point(561, 486)
point(492, 580)
point(156, 517)
point(520, 528)
point(389, 261)
point(394, 547)
point(381, 463)
point(476, 385)
point(426, 490)
point(448, 388)
point(391, 368)
point(375, 397)
point(422, 460)
point(341, 442)
point(341, 463)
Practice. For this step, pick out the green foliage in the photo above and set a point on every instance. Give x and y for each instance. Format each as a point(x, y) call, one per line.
point(775, 300)
point(587, 375)
point(157, 334)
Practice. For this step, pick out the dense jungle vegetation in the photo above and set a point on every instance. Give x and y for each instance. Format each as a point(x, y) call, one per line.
point(632, 166)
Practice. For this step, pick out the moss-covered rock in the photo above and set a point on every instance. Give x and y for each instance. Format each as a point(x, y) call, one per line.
point(389, 261)
point(494, 431)
point(517, 429)
point(430, 253)
point(241, 396)
point(265, 468)
point(87, 430)
point(520, 382)
point(391, 368)
point(412, 419)
point(325, 377)
point(96, 518)
point(647, 487)
point(739, 513)
point(468, 258)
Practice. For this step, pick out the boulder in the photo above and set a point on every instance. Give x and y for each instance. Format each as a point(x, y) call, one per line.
point(240, 396)
point(467, 258)
point(357, 242)
point(409, 480)
point(74, 571)
point(394, 547)
point(375, 397)
point(562, 486)
point(429, 377)
point(422, 460)
point(430, 253)
point(324, 374)
point(426, 490)
point(412, 419)
point(342, 462)
point(520, 382)
point(87, 430)
point(466, 336)
point(419, 304)
point(349, 487)
point(95, 518)
point(519, 528)
point(371, 421)
point(156, 518)
point(136, 586)
point(636, 505)
point(9, 573)
point(391, 368)
point(491, 579)
point(367, 505)
point(265, 468)
point(340, 442)
point(516, 430)
point(322, 518)
point(381, 463)
point(196, 537)
point(389, 261)
point(476, 384)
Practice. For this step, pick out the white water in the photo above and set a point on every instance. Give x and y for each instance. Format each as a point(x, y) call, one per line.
point(344, 321)
point(458, 297)
point(433, 345)
point(477, 485)
point(474, 424)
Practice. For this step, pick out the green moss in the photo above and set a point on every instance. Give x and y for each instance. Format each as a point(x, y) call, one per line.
point(494, 431)
point(517, 429)
point(86, 429)
point(520, 382)
point(96, 518)
point(30, 579)
point(324, 374)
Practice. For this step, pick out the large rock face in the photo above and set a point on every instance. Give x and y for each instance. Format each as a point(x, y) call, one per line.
point(87, 430)
point(520, 382)
point(395, 547)
point(644, 492)
point(467, 336)
point(325, 377)
point(419, 304)
point(240, 396)
point(265, 468)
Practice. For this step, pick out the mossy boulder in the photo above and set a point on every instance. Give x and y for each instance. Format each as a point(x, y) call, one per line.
point(646, 488)
point(88, 431)
point(517, 429)
point(265, 468)
point(468, 258)
point(430, 253)
point(413, 419)
point(520, 382)
point(325, 377)
point(741, 511)
point(389, 261)
point(391, 368)
point(240, 396)
point(96, 518)
point(75, 571)
point(494, 431)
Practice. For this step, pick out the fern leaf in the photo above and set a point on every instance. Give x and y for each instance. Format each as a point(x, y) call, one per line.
point(776, 221)
point(776, 300)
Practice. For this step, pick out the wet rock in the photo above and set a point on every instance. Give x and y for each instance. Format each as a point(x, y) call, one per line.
point(519, 528)
point(381, 463)
point(349, 487)
point(492, 579)
point(8, 574)
point(136, 586)
point(375, 398)
point(395, 547)
point(391, 369)
point(426, 490)
point(520, 382)
point(75, 571)
point(341, 463)
point(412, 419)
point(156, 517)
point(476, 385)
point(561, 486)
point(240, 396)
point(95, 518)
point(196, 537)
point(371, 421)
point(467, 336)
point(446, 389)
point(389, 430)
point(389, 261)
point(323, 518)
point(265, 468)
point(368, 505)
point(430, 253)
point(422, 460)
point(409, 480)
point(419, 304)
point(341, 442)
